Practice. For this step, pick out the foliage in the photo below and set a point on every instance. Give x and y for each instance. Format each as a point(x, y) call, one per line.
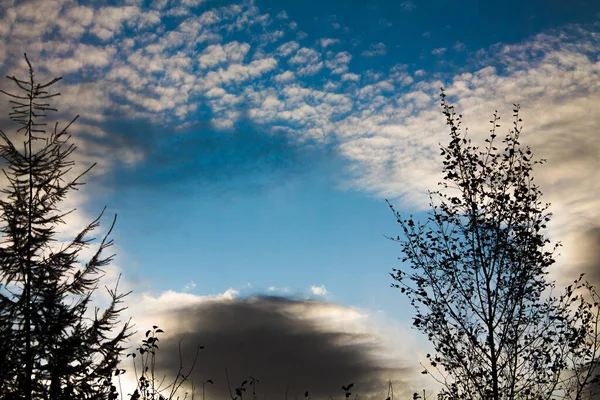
point(478, 280)
point(148, 386)
point(49, 346)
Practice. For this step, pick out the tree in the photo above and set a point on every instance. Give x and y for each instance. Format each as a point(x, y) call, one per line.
point(49, 346)
point(477, 279)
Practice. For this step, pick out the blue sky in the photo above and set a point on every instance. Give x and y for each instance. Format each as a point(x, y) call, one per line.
point(248, 147)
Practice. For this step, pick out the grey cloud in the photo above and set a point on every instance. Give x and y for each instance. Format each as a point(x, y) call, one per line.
point(275, 340)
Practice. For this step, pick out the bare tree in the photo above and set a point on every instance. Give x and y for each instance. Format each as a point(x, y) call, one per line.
point(477, 279)
point(49, 347)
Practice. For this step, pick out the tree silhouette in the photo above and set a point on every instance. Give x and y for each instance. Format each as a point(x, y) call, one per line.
point(478, 279)
point(49, 346)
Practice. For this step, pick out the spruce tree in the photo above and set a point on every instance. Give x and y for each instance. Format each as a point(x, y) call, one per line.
point(51, 345)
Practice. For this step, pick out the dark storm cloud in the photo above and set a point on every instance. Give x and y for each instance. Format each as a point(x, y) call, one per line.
point(262, 337)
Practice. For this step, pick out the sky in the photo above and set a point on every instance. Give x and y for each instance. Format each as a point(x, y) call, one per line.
point(248, 147)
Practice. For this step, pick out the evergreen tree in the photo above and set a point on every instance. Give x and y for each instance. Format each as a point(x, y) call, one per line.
point(478, 280)
point(50, 347)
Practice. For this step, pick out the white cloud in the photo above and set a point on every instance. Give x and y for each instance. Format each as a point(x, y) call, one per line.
point(270, 37)
point(233, 52)
point(385, 124)
point(557, 91)
point(378, 49)
point(159, 4)
point(307, 61)
point(287, 76)
point(75, 21)
point(326, 42)
point(192, 3)
point(318, 290)
point(439, 51)
point(305, 56)
point(149, 309)
point(350, 77)
point(287, 49)
point(339, 63)
point(109, 21)
point(282, 15)
point(237, 73)
point(215, 92)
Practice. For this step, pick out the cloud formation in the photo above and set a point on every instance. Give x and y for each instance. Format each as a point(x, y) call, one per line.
point(284, 342)
point(217, 66)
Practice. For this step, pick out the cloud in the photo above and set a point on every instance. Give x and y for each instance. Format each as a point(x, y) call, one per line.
point(192, 3)
point(287, 76)
point(439, 51)
point(558, 89)
point(213, 55)
point(82, 56)
point(407, 6)
point(326, 42)
point(122, 77)
point(350, 77)
point(286, 49)
point(318, 290)
point(288, 344)
point(338, 64)
point(378, 49)
point(75, 21)
point(238, 73)
point(270, 37)
point(109, 21)
point(459, 46)
point(307, 61)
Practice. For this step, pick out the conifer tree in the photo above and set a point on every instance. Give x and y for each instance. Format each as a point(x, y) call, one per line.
point(52, 344)
point(477, 280)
